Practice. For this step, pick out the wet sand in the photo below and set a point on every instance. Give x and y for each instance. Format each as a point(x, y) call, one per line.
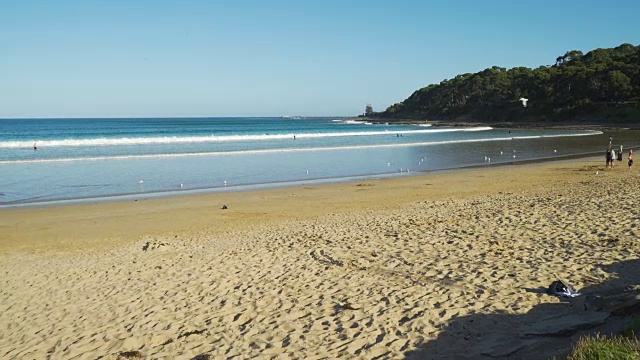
point(432, 266)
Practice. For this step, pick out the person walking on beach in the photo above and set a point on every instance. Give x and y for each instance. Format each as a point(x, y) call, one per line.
point(613, 157)
point(608, 158)
point(630, 162)
point(608, 155)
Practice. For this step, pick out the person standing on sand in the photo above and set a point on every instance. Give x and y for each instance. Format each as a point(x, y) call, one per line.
point(630, 162)
point(613, 157)
point(609, 156)
point(620, 154)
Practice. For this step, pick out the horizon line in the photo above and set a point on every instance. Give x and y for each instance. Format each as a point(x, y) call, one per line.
point(177, 117)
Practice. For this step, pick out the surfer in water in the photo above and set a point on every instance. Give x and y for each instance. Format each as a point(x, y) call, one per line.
point(35, 147)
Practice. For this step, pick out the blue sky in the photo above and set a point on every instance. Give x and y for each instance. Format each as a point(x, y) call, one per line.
point(271, 58)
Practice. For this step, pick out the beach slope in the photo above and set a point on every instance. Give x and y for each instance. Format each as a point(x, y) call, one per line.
point(449, 265)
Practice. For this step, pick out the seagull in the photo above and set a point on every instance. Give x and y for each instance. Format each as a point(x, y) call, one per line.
point(140, 181)
point(307, 172)
point(524, 101)
point(500, 152)
point(181, 186)
point(514, 156)
point(555, 151)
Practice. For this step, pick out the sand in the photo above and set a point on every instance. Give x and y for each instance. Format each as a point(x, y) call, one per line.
point(441, 266)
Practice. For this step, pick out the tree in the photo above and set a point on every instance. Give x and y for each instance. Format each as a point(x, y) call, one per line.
point(368, 110)
point(397, 107)
point(617, 85)
point(578, 84)
point(569, 56)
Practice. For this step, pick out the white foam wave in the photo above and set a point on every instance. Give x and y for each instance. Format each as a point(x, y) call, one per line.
point(591, 132)
point(354, 122)
point(267, 151)
point(211, 138)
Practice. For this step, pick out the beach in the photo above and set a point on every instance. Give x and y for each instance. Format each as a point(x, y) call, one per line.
point(439, 265)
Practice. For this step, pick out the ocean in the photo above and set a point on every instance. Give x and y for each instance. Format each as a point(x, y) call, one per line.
point(45, 160)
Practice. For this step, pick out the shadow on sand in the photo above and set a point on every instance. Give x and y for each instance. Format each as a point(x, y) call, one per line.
point(546, 331)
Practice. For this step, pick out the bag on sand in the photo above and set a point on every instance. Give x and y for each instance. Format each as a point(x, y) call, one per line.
point(563, 289)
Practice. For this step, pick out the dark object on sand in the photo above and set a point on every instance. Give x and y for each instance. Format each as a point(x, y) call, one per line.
point(133, 354)
point(563, 289)
point(224, 207)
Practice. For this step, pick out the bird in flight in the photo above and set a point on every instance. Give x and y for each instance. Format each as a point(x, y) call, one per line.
point(524, 101)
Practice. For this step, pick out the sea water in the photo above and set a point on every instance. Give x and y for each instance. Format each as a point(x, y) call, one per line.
point(44, 160)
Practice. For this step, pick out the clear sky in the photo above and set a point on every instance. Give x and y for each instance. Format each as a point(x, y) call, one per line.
point(275, 57)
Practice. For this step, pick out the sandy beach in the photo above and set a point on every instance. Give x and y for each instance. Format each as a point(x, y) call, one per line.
point(434, 266)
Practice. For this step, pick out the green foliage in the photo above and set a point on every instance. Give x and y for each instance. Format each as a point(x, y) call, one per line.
point(368, 110)
point(602, 80)
point(618, 85)
point(605, 348)
point(633, 330)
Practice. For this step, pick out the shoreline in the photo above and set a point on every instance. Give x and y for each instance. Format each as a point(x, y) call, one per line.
point(268, 203)
point(270, 185)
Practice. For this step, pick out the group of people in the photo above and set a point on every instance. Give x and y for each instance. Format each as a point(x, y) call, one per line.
point(611, 156)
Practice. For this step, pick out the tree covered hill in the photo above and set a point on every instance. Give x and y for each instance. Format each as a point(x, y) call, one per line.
point(601, 86)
